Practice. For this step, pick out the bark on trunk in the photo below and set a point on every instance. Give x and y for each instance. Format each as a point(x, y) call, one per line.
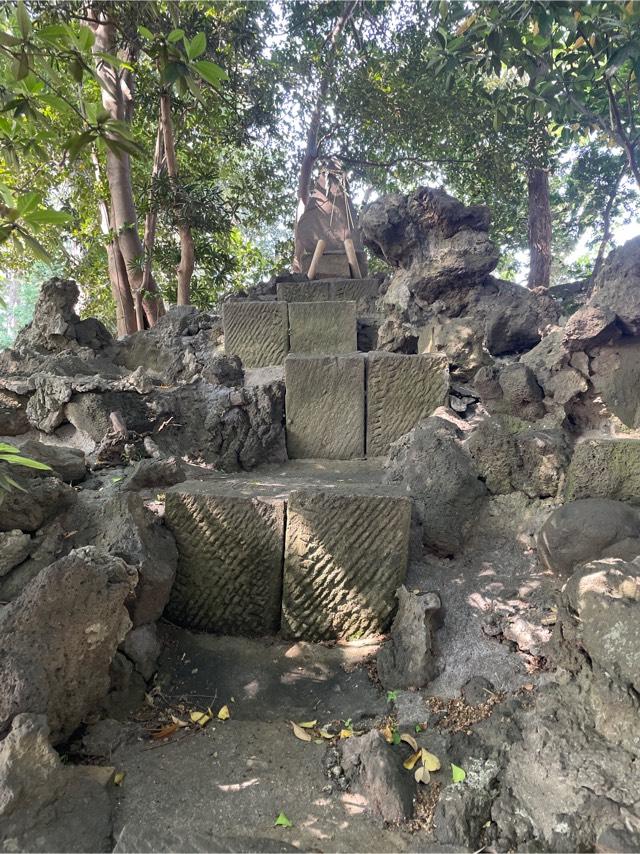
point(187, 249)
point(606, 226)
point(124, 220)
point(539, 228)
point(151, 218)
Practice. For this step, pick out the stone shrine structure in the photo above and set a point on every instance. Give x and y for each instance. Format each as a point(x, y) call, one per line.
point(328, 242)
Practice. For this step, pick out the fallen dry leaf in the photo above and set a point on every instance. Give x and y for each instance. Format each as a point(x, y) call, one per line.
point(179, 722)
point(422, 775)
point(411, 761)
point(118, 778)
point(165, 732)
point(308, 724)
point(387, 733)
point(300, 733)
point(346, 733)
point(430, 762)
point(224, 714)
point(410, 740)
point(325, 734)
point(201, 718)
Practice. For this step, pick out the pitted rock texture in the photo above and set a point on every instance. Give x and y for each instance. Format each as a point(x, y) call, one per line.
point(229, 577)
point(408, 659)
point(57, 639)
point(257, 332)
point(46, 805)
point(605, 468)
point(401, 392)
point(323, 327)
point(14, 548)
point(325, 406)
point(345, 556)
point(617, 286)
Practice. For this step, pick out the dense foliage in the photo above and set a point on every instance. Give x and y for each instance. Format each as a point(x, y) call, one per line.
point(206, 111)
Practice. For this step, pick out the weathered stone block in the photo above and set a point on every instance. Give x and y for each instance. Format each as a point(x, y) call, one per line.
point(345, 555)
point(605, 468)
point(303, 291)
point(325, 406)
point(363, 291)
point(402, 390)
point(257, 332)
point(323, 327)
point(229, 577)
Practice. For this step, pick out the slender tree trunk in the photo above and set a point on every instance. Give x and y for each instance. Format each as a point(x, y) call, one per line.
point(124, 219)
point(539, 227)
point(606, 225)
point(151, 218)
point(187, 249)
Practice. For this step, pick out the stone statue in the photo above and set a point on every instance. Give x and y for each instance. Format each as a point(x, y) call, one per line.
point(328, 242)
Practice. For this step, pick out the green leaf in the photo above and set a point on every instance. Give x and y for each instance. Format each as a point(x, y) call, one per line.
point(458, 775)
point(175, 36)
point(54, 33)
point(86, 38)
point(5, 448)
point(36, 248)
point(75, 144)
point(145, 32)
point(27, 203)
point(24, 22)
point(210, 72)
point(48, 217)
point(19, 460)
point(197, 46)
point(282, 821)
point(392, 696)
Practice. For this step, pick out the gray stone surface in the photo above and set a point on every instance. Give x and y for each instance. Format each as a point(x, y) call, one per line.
point(375, 771)
point(322, 327)
point(44, 804)
point(401, 392)
point(142, 647)
point(345, 555)
point(58, 637)
point(582, 530)
point(67, 463)
point(408, 659)
point(325, 406)
point(229, 577)
point(617, 286)
point(303, 291)
point(616, 379)
point(257, 332)
point(14, 548)
point(149, 474)
point(605, 468)
point(43, 499)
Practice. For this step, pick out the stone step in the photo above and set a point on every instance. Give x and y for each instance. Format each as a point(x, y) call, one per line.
point(314, 550)
point(262, 333)
point(363, 291)
point(346, 407)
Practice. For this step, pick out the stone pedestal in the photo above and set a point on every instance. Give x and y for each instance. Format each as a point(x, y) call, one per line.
point(322, 327)
point(257, 332)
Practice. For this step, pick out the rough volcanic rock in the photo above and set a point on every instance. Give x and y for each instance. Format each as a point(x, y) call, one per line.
point(122, 526)
point(407, 660)
point(581, 531)
point(56, 326)
point(616, 379)
point(58, 637)
point(46, 805)
point(509, 455)
point(436, 471)
point(617, 286)
point(149, 474)
point(68, 464)
point(589, 327)
point(179, 348)
point(142, 647)
point(375, 772)
point(13, 416)
point(605, 468)
point(510, 389)
point(42, 499)
point(14, 548)
point(47, 545)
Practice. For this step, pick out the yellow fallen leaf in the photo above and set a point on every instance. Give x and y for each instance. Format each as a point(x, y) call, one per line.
point(325, 734)
point(308, 724)
point(224, 714)
point(422, 775)
point(387, 733)
point(410, 740)
point(411, 761)
point(300, 733)
point(201, 718)
point(431, 762)
point(346, 733)
point(118, 778)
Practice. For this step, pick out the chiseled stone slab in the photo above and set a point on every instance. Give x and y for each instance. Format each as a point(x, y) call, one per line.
point(363, 291)
point(402, 390)
point(345, 556)
point(324, 406)
point(303, 291)
point(257, 332)
point(230, 550)
point(323, 327)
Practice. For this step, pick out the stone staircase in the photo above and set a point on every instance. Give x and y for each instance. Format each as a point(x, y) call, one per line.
point(317, 547)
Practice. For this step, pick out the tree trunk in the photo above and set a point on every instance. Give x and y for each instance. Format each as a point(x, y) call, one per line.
point(187, 249)
point(539, 227)
point(606, 225)
point(124, 220)
point(151, 218)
